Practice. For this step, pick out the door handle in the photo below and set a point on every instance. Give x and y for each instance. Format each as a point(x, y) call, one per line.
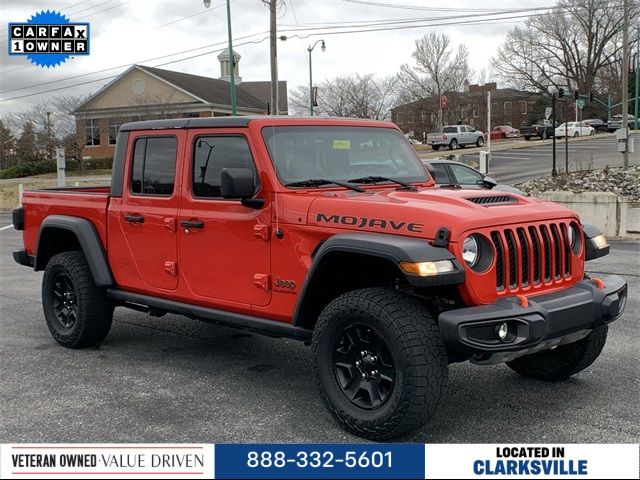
point(192, 223)
point(134, 218)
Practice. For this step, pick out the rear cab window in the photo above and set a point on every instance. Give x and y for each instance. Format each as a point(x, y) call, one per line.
point(154, 166)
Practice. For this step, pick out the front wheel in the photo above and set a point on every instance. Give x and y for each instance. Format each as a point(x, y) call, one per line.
point(380, 363)
point(77, 312)
point(592, 132)
point(564, 361)
point(480, 142)
point(576, 135)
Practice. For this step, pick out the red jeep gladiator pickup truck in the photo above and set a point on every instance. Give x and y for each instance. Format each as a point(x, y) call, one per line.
point(328, 231)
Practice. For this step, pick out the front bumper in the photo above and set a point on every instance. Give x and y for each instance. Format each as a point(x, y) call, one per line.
point(549, 320)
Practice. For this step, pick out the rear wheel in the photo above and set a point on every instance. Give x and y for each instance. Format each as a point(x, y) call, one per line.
point(380, 363)
point(564, 361)
point(77, 312)
point(453, 144)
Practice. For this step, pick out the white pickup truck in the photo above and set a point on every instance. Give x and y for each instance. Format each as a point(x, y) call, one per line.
point(454, 136)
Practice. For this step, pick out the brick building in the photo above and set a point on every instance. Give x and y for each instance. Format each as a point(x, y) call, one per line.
point(143, 93)
point(508, 107)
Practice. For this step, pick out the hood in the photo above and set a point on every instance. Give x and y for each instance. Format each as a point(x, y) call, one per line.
point(423, 212)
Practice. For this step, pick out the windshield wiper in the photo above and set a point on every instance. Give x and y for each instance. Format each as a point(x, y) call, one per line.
point(376, 178)
point(318, 182)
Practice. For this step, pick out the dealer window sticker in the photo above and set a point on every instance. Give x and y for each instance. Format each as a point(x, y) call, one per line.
point(342, 144)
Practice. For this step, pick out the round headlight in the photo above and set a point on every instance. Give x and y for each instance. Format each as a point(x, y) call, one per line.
point(574, 236)
point(470, 250)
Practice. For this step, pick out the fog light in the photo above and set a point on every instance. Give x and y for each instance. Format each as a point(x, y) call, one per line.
point(503, 331)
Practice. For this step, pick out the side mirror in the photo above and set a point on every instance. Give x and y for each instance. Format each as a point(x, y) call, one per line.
point(489, 182)
point(239, 183)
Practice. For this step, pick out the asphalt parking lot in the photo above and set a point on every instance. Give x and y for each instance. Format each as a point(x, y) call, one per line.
point(172, 379)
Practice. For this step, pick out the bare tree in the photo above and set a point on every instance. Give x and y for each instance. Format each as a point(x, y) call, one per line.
point(571, 45)
point(439, 68)
point(359, 96)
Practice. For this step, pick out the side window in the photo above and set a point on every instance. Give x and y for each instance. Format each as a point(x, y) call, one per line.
point(211, 155)
point(439, 172)
point(154, 166)
point(465, 175)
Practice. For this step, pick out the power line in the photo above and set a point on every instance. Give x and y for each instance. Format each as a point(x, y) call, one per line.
point(115, 76)
point(128, 64)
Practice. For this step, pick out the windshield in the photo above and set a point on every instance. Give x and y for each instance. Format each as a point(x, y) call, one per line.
point(341, 153)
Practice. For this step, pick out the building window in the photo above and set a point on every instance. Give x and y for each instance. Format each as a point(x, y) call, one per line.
point(154, 166)
point(114, 126)
point(476, 112)
point(523, 107)
point(92, 132)
point(507, 108)
point(494, 109)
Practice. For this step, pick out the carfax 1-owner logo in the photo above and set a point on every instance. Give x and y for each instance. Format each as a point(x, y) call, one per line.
point(48, 38)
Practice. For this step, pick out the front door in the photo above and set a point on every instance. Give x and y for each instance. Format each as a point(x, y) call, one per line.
point(150, 206)
point(224, 246)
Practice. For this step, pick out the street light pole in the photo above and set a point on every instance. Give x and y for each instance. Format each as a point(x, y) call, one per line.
point(232, 61)
point(310, 49)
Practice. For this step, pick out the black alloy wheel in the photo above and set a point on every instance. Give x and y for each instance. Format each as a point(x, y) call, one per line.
point(65, 303)
point(363, 366)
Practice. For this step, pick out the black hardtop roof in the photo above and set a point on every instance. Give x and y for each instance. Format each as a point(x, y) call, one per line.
point(231, 122)
point(198, 122)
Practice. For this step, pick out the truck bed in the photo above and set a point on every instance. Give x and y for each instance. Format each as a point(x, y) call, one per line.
point(86, 202)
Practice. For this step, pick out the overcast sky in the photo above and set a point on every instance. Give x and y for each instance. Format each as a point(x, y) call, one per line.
point(137, 31)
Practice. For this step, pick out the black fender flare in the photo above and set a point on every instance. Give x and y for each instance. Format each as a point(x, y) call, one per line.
point(393, 248)
point(89, 240)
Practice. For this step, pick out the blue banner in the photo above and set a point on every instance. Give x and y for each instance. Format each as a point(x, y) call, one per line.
point(319, 461)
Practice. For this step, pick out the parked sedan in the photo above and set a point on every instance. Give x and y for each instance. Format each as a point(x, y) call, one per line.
point(452, 174)
point(574, 129)
point(507, 131)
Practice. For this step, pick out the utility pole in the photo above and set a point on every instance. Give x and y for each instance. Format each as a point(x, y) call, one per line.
point(554, 171)
point(635, 109)
point(489, 121)
point(274, 57)
point(625, 83)
point(566, 138)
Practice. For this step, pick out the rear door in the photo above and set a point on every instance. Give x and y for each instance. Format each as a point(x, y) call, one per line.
point(224, 246)
point(150, 205)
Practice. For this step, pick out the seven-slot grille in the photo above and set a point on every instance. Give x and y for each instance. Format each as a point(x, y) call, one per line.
point(531, 255)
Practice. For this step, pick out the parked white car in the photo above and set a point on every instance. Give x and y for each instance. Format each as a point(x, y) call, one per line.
point(574, 129)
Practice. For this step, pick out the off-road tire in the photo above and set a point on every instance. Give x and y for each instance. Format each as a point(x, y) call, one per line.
point(564, 361)
point(94, 311)
point(413, 338)
point(480, 141)
point(453, 144)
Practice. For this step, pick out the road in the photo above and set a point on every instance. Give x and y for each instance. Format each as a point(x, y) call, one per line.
point(519, 165)
point(171, 379)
